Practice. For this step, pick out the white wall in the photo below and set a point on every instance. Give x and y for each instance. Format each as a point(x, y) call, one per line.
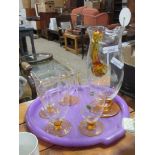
point(32, 3)
point(20, 4)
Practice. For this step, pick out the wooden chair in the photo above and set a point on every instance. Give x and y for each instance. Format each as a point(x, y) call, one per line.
point(63, 27)
point(25, 69)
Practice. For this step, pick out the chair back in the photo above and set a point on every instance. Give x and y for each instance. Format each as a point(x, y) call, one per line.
point(74, 13)
point(99, 19)
point(91, 16)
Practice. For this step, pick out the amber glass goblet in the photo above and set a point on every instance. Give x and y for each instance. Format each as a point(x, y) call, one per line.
point(91, 111)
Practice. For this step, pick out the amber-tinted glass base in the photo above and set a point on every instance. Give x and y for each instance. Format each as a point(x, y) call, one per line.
point(48, 111)
point(114, 110)
point(91, 130)
point(59, 128)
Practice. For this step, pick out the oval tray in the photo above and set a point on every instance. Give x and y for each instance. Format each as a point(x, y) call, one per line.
point(113, 130)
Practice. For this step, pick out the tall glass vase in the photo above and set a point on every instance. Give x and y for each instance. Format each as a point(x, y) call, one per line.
point(105, 64)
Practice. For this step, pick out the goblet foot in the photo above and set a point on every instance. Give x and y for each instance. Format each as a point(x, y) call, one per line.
point(114, 110)
point(91, 129)
point(58, 128)
point(43, 114)
point(70, 100)
point(49, 110)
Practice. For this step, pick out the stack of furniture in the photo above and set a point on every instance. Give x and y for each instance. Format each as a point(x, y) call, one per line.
point(61, 20)
point(47, 6)
point(52, 9)
point(44, 22)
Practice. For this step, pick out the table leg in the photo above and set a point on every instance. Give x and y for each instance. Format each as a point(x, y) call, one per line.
point(24, 45)
point(65, 38)
point(76, 45)
point(21, 47)
point(82, 40)
point(32, 43)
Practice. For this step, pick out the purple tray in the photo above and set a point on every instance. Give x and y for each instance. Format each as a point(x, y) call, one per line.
point(113, 130)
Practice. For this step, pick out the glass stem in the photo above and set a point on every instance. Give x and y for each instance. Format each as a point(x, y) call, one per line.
point(58, 125)
point(91, 126)
point(108, 104)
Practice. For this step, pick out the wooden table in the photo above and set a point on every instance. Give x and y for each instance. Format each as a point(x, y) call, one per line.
point(74, 48)
point(126, 146)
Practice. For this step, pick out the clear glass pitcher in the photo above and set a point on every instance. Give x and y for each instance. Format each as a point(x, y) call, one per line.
point(104, 60)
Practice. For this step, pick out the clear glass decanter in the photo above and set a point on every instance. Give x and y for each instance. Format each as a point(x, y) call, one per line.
point(105, 65)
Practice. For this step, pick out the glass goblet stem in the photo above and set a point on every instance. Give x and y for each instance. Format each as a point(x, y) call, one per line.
point(91, 125)
point(108, 105)
point(58, 125)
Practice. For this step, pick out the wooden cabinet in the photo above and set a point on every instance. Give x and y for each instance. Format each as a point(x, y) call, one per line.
point(113, 8)
point(63, 18)
point(117, 8)
point(69, 5)
point(131, 6)
point(44, 22)
point(119, 4)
